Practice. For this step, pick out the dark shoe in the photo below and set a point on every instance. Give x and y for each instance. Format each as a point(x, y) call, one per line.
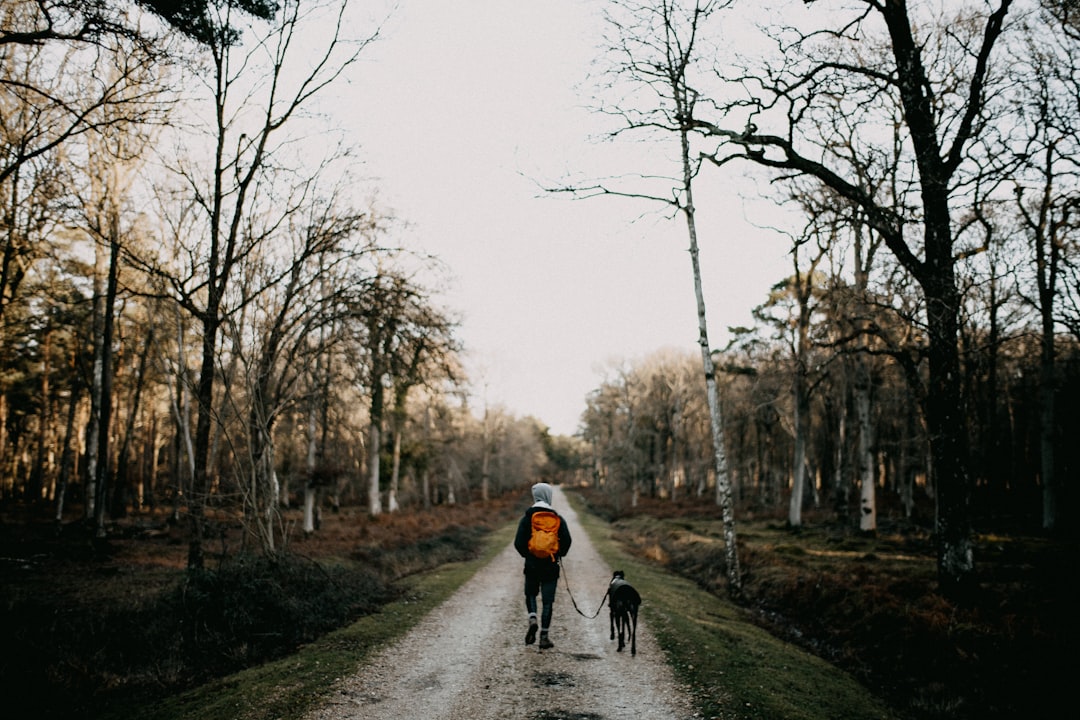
point(545, 642)
point(530, 637)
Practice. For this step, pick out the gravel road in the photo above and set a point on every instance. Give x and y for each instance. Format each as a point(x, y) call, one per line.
point(468, 660)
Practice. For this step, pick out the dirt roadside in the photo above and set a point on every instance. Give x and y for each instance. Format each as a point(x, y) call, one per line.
point(467, 660)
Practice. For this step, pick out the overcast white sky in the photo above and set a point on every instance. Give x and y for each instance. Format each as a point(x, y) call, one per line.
point(460, 110)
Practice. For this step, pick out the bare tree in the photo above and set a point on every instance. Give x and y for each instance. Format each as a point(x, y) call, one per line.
point(1047, 201)
point(112, 158)
point(796, 299)
point(35, 22)
point(52, 84)
point(427, 356)
point(288, 283)
point(655, 48)
point(854, 320)
point(255, 92)
point(406, 338)
point(940, 80)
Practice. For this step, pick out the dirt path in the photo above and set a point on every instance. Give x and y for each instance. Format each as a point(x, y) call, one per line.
point(468, 660)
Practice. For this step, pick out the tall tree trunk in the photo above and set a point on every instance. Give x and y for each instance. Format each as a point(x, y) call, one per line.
point(840, 482)
point(204, 394)
point(395, 470)
point(260, 505)
point(425, 473)
point(425, 486)
point(148, 481)
point(93, 430)
point(265, 494)
point(122, 477)
point(864, 252)
point(42, 463)
point(947, 420)
point(310, 487)
point(374, 451)
point(397, 420)
point(183, 473)
point(1047, 420)
point(945, 412)
point(801, 393)
point(9, 280)
point(485, 456)
point(867, 486)
point(1046, 231)
point(104, 466)
point(7, 482)
point(723, 480)
point(994, 461)
point(906, 479)
point(311, 509)
point(67, 455)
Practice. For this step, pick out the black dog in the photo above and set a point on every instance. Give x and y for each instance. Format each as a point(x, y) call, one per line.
point(624, 601)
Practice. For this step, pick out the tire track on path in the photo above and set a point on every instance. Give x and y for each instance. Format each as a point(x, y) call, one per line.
point(467, 659)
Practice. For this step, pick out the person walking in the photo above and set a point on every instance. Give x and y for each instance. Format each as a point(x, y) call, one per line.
point(542, 538)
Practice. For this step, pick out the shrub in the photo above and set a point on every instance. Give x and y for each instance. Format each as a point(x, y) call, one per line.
point(252, 609)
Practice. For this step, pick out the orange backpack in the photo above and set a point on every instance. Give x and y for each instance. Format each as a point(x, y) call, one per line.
point(544, 541)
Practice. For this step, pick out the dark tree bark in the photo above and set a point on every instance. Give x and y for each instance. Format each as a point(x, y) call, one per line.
point(935, 272)
point(104, 419)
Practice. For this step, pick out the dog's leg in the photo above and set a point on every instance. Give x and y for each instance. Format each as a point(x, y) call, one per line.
point(633, 631)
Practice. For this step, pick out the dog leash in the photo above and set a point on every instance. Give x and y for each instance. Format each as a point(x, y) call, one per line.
point(566, 582)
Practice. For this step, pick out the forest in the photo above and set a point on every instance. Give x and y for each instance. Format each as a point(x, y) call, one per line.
point(210, 337)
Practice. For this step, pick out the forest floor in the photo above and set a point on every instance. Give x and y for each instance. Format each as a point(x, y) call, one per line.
point(869, 603)
point(80, 617)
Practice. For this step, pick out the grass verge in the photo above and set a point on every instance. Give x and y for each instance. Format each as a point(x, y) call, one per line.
point(735, 670)
point(287, 689)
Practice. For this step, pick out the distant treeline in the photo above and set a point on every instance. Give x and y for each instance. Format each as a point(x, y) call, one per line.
point(648, 429)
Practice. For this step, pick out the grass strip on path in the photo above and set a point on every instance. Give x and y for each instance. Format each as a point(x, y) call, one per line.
point(735, 670)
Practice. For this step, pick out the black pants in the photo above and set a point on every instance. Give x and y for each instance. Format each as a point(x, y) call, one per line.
point(534, 585)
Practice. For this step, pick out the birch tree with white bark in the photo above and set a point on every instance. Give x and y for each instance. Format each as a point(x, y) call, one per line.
point(655, 50)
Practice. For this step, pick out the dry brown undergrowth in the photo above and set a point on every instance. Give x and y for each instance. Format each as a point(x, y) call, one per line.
point(871, 605)
point(80, 618)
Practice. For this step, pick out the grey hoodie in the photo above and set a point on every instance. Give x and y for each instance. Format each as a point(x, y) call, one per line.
point(541, 493)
